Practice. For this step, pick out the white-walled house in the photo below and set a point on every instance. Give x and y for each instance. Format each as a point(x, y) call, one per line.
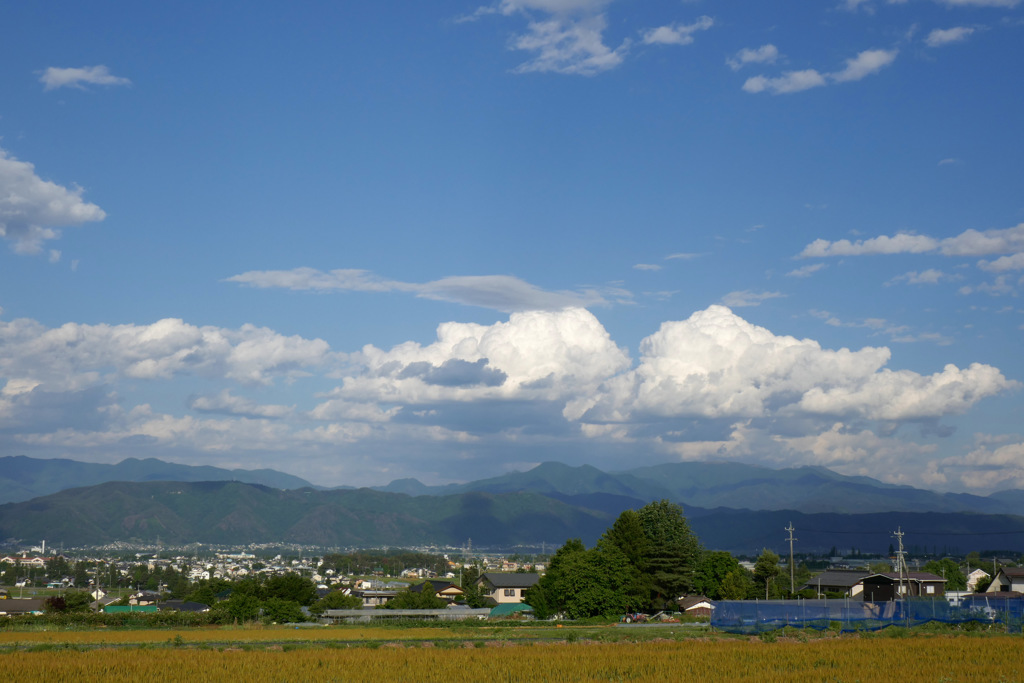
point(505, 587)
point(1007, 579)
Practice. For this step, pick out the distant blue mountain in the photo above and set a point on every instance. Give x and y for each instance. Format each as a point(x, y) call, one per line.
point(24, 478)
point(713, 485)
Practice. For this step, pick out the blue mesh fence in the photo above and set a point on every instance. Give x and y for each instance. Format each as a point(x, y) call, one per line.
point(756, 616)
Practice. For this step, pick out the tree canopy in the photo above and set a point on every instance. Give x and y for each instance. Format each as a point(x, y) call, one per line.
point(426, 598)
point(647, 559)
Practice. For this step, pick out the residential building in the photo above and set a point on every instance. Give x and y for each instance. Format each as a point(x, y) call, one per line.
point(696, 606)
point(505, 587)
point(446, 590)
point(974, 577)
point(1007, 579)
point(891, 586)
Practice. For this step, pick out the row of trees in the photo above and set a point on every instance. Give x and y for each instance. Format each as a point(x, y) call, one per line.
point(650, 557)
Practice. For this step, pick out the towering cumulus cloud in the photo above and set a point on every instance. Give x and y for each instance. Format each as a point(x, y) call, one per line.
point(536, 355)
point(715, 364)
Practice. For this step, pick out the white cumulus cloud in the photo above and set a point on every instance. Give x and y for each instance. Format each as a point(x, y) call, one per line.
point(535, 354)
point(864, 64)
point(676, 34)
point(74, 355)
point(789, 82)
point(717, 365)
point(766, 54)
point(940, 37)
point(32, 209)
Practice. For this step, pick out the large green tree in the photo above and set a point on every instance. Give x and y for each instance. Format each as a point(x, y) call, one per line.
point(279, 611)
point(737, 585)
point(673, 551)
point(471, 594)
point(547, 596)
point(766, 568)
point(646, 559)
point(290, 587)
point(712, 571)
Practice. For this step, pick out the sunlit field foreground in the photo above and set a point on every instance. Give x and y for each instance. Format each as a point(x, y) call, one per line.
point(852, 658)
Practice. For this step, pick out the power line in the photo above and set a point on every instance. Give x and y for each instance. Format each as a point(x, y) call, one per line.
point(920, 533)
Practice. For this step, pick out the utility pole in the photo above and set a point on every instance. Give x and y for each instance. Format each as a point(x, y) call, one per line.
point(792, 584)
point(901, 563)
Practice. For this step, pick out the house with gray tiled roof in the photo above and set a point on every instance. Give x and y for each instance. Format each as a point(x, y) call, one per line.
point(499, 587)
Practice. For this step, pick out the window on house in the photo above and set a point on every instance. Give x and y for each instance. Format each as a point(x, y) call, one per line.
point(510, 592)
point(929, 589)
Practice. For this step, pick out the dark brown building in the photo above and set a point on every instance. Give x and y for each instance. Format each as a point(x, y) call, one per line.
point(889, 586)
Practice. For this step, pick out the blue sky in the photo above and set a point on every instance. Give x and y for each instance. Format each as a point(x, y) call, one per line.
point(448, 240)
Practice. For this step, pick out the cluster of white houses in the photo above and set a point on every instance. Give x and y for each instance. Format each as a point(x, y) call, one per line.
point(497, 588)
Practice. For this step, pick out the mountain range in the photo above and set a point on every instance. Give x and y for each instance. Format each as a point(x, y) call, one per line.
point(731, 485)
point(735, 507)
point(24, 478)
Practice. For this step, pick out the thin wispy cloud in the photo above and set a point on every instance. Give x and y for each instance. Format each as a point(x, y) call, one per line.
point(55, 77)
point(968, 243)
point(806, 271)
point(569, 36)
point(931, 276)
point(568, 46)
point(746, 298)
point(499, 292)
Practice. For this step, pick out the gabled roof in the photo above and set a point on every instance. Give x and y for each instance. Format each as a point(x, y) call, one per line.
point(508, 608)
point(437, 585)
point(22, 605)
point(909, 576)
point(846, 578)
point(1013, 572)
point(509, 580)
point(692, 601)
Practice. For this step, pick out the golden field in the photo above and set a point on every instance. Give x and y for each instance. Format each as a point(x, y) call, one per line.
point(420, 658)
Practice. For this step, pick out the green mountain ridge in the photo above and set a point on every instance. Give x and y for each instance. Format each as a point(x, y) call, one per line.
point(235, 513)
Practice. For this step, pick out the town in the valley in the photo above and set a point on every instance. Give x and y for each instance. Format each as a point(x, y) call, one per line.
point(283, 584)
